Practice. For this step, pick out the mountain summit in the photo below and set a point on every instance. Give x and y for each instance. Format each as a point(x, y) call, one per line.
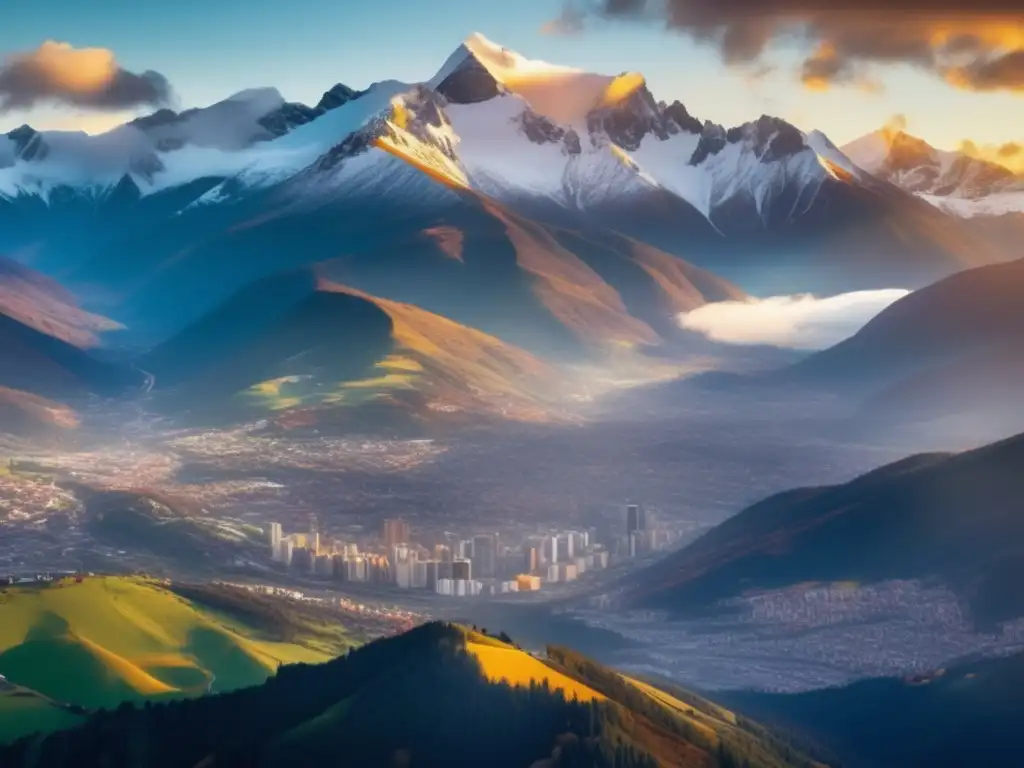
point(953, 181)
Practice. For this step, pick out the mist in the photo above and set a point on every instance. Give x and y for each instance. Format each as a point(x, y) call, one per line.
point(803, 322)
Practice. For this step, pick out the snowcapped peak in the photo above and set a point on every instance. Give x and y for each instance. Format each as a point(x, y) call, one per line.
point(481, 69)
point(831, 158)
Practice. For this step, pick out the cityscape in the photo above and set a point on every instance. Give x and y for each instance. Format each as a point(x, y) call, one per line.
point(456, 566)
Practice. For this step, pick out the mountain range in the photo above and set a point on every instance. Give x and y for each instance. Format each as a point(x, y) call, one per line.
point(562, 146)
point(530, 210)
point(953, 181)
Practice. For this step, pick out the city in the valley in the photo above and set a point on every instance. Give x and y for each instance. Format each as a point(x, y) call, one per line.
point(481, 564)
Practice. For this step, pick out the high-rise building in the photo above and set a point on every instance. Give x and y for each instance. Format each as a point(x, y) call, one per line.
point(285, 550)
point(303, 559)
point(485, 556)
point(632, 518)
point(395, 532)
point(462, 570)
point(634, 543)
point(565, 548)
point(530, 560)
point(323, 565)
point(442, 552)
point(550, 549)
point(419, 574)
point(445, 570)
point(274, 536)
point(432, 574)
point(404, 573)
point(314, 534)
point(465, 549)
point(553, 573)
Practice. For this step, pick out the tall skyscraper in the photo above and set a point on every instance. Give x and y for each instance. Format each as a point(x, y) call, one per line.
point(485, 556)
point(432, 574)
point(314, 534)
point(530, 560)
point(395, 532)
point(274, 536)
point(550, 549)
point(633, 519)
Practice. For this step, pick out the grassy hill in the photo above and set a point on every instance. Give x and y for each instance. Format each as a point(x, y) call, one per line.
point(953, 517)
point(439, 695)
point(965, 715)
point(108, 640)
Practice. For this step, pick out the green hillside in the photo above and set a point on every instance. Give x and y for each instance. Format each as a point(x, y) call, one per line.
point(439, 695)
point(107, 640)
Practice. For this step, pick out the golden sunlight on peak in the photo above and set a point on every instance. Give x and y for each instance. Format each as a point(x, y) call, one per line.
point(621, 88)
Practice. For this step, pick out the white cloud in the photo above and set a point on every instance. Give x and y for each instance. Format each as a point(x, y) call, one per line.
point(795, 322)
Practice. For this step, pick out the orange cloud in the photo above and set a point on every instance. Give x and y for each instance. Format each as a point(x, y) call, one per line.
point(1009, 155)
point(978, 46)
point(82, 77)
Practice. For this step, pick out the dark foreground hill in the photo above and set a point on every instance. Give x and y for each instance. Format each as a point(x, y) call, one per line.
point(953, 517)
point(967, 715)
point(429, 697)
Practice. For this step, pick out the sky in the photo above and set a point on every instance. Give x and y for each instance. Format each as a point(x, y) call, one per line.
point(833, 78)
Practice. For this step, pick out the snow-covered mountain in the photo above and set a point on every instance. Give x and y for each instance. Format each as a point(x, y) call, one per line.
point(490, 120)
point(563, 146)
point(952, 181)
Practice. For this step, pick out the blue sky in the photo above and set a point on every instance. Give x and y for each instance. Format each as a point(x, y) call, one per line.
point(209, 49)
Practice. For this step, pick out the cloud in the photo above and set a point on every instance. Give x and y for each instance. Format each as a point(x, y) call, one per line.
point(1009, 155)
point(568, 22)
point(977, 46)
point(895, 125)
point(794, 322)
point(89, 78)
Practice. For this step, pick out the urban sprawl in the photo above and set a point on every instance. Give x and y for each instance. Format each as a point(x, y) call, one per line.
point(481, 564)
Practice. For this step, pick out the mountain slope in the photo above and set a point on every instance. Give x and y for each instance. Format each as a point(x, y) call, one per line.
point(934, 515)
point(45, 365)
point(28, 415)
point(952, 347)
point(43, 304)
point(453, 713)
point(965, 715)
point(300, 341)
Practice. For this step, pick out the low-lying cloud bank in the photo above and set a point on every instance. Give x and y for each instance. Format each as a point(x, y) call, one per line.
point(794, 322)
